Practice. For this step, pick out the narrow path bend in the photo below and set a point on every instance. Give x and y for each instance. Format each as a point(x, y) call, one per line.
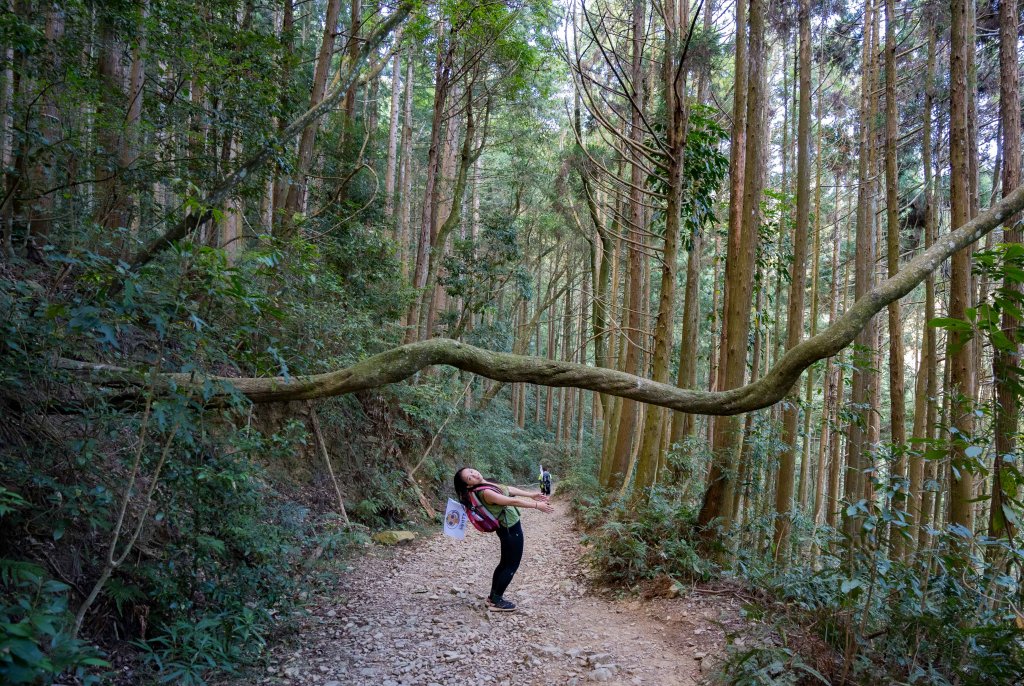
point(415, 616)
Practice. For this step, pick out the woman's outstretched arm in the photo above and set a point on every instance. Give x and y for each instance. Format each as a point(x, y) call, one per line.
point(536, 495)
point(495, 498)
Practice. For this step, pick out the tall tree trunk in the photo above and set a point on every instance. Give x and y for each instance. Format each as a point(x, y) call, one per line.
point(392, 163)
point(832, 380)
point(929, 497)
point(798, 286)
point(836, 466)
point(405, 182)
point(435, 297)
point(355, 25)
point(429, 214)
point(926, 383)
point(120, 143)
point(466, 159)
point(1007, 407)
point(744, 222)
point(279, 194)
point(615, 350)
point(43, 175)
point(295, 200)
point(898, 413)
point(566, 347)
point(683, 425)
point(746, 474)
point(960, 354)
point(674, 90)
point(714, 360)
point(805, 461)
point(864, 264)
point(634, 319)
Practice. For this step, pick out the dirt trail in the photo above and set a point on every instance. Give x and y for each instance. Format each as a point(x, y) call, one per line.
point(415, 615)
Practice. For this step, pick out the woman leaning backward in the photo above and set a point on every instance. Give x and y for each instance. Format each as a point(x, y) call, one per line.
point(504, 506)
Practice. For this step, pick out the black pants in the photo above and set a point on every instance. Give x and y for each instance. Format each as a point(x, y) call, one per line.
point(511, 555)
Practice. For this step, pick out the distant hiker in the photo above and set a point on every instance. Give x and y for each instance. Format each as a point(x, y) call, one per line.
point(502, 502)
point(540, 478)
point(545, 482)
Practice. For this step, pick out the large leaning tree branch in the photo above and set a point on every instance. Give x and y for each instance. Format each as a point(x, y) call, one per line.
point(226, 186)
point(402, 362)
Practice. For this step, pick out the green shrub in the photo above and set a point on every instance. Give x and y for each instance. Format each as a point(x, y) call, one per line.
point(35, 630)
point(646, 540)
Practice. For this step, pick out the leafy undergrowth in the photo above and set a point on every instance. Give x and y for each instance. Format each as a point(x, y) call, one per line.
point(840, 612)
point(198, 532)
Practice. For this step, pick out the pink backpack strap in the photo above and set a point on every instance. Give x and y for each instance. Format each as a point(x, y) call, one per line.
point(487, 487)
point(482, 518)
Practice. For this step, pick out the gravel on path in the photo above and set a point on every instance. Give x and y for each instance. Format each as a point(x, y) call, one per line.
point(414, 615)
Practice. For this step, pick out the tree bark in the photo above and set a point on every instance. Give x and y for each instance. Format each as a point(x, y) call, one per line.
point(864, 263)
point(897, 387)
point(1007, 406)
point(442, 75)
point(634, 322)
point(959, 350)
point(674, 93)
point(355, 26)
point(43, 175)
point(405, 183)
point(392, 162)
point(120, 143)
point(718, 494)
point(798, 286)
point(280, 183)
point(295, 200)
point(226, 185)
point(468, 156)
point(402, 362)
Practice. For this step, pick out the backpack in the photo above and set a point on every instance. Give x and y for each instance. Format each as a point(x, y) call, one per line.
point(482, 518)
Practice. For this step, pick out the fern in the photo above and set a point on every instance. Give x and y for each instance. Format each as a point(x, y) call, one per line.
point(123, 594)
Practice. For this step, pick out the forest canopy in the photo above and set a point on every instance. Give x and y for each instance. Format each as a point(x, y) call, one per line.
point(269, 268)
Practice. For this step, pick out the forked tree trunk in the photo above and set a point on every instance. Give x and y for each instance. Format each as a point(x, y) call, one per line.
point(295, 199)
point(428, 215)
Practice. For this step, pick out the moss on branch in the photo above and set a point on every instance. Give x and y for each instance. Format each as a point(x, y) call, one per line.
point(400, 363)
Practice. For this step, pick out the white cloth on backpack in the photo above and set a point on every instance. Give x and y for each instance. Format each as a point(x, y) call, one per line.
point(455, 520)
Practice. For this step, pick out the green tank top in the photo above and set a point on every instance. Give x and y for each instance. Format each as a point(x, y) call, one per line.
point(507, 515)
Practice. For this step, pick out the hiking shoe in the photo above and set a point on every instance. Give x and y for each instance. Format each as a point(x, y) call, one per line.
point(500, 605)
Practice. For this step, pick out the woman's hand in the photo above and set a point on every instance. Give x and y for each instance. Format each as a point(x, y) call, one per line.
point(545, 506)
point(540, 497)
